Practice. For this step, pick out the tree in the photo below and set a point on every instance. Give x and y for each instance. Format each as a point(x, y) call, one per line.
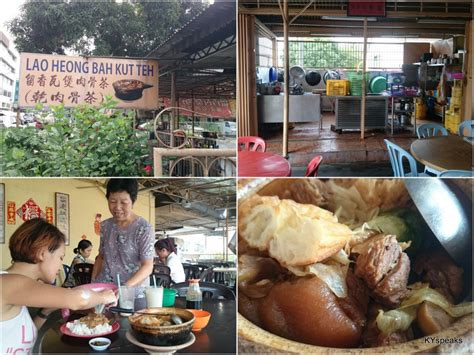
point(105, 28)
point(324, 54)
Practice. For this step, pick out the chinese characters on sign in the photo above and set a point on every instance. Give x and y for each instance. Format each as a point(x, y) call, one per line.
point(29, 210)
point(366, 8)
point(11, 212)
point(62, 214)
point(49, 214)
point(58, 79)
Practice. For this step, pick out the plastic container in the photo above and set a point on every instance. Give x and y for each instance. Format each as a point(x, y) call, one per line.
point(378, 84)
point(202, 319)
point(169, 297)
point(337, 87)
point(194, 295)
point(355, 82)
point(420, 109)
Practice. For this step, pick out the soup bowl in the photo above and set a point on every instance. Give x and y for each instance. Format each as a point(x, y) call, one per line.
point(159, 334)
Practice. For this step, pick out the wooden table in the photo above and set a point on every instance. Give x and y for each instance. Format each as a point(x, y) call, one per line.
point(443, 153)
point(218, 337)
point(262, 164)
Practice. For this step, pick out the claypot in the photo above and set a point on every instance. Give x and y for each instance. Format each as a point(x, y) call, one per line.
point(458, 337)
point(165, 335)
point(129, 90)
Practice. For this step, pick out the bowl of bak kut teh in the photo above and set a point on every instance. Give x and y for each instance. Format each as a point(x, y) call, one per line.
point(346, 265)
point(158, 326)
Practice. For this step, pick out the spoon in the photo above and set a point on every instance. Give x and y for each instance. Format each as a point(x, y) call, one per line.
point(176, 319)
point(448, 213)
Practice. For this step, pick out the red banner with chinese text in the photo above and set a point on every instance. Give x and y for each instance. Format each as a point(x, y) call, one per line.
point(49, 215)
point(366, 8)
point(11, 216)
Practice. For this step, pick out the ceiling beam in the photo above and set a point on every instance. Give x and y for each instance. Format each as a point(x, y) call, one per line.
point(343, 13)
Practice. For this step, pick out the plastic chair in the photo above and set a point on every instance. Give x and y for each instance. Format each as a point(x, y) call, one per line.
point(209, 290)
point(83, 273)
point(251, 143)
point(192, 271)
point(163, 280)
point(161, 269)
point(207, 275)
point(312, 169)
point(466, 125)
point(397, 154)
point(456, 173)
point(430, 130)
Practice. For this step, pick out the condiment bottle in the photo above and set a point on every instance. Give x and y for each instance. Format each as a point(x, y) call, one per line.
point(194, 295)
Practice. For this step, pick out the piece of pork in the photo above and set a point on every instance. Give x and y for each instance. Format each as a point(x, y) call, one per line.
point(439, 270)
point(384, 268)
point(373, 337)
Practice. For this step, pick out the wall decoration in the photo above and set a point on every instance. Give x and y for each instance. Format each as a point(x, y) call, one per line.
point(97, 223)
point(49, 215)
point(2, 213)
point(62, 214)
point(11, 212)
point(30, 210)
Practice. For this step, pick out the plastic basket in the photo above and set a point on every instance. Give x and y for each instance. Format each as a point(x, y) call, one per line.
point(355, 82)
point(337, 87)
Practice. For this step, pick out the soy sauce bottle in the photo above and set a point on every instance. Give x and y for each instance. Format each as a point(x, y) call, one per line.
point(194, 295)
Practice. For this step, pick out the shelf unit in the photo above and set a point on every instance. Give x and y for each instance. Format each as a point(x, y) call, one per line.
point(410, 112)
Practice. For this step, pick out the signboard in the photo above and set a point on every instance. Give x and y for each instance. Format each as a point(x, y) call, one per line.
point(55, 79)
point(366, 8)
point(217, 108)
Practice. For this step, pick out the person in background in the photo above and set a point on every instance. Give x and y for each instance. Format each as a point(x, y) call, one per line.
point(166, 251)
point(37, 249)
point(126, 239)
point(83, 252)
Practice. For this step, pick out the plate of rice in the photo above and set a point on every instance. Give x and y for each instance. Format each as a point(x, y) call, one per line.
point(90, 326)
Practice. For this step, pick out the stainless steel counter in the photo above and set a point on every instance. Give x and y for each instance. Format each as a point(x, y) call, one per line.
point(303, 108)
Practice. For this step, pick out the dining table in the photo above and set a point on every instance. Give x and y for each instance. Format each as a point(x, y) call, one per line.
point(443, 152)
point(218, 337)
point(262, 164)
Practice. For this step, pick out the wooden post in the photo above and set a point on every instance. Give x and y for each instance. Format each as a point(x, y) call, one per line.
point(362, 99)
point(286, 98)
point(173, 104)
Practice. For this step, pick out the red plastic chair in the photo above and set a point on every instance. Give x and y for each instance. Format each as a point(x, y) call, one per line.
point(251, 143)
point(312, 169)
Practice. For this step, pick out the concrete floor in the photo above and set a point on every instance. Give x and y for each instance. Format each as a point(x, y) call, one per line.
point(344, 154)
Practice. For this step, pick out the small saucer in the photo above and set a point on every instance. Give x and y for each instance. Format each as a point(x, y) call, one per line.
point(152, 349)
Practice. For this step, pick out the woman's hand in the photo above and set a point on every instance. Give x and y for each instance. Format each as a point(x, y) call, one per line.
point(109, 297)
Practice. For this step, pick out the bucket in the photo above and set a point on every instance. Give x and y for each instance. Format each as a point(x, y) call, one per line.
point(378, 84)
point(420, 110)
point(169, 297)
point(355, 82)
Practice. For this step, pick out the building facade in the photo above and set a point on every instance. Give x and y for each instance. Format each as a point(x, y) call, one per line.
point(8, 72)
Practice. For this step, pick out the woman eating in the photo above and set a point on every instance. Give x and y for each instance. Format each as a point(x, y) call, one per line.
point(83, 252)
point(37, 249)
point(167, 253)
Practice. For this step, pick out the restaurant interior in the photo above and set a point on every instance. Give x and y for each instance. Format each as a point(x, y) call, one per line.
point(367, 87)
point(198, 216)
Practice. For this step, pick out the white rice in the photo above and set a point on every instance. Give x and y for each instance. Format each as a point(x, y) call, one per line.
point(79, 328)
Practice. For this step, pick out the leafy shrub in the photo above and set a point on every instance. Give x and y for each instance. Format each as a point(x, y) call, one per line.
point(86, 141)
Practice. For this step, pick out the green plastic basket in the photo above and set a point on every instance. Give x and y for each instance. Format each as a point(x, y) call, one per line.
point(355, 82)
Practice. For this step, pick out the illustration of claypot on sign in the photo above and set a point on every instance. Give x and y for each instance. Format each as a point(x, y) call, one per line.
point(129, 89)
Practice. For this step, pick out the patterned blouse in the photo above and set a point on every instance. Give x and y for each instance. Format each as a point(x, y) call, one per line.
point(124, 249)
